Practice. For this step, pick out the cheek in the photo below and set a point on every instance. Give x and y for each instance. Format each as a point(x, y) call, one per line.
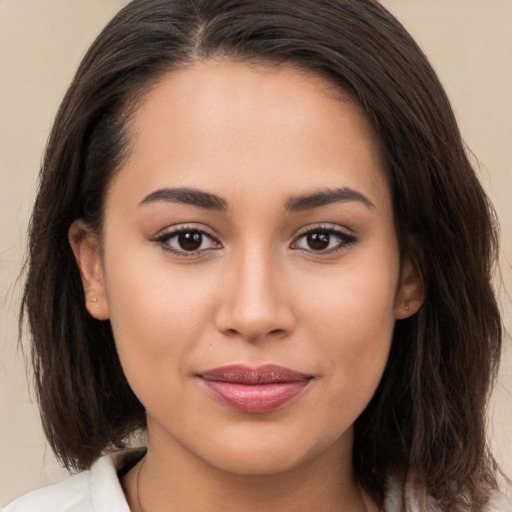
point(355, 330)
point(356, 300)
point(157, 315)
point(351, 320)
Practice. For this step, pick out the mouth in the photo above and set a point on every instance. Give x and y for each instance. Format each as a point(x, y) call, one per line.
point(254, 390)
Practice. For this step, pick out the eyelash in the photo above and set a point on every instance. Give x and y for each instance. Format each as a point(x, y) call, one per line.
point(344, 240)
point(164, 239)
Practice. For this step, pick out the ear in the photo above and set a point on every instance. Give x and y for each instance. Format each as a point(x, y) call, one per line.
point(411, 291)
point(86, 248)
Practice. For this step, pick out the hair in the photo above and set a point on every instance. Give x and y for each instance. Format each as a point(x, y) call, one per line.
point(426, 421)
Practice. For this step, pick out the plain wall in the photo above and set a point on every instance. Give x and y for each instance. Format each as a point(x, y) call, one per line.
point(469, 42)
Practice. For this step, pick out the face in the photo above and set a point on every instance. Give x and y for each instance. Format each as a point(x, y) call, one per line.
point(249, 266)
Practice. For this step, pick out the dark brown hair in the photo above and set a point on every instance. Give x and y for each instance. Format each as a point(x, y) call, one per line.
point(426, 421)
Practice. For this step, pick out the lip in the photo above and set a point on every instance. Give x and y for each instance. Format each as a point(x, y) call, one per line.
point(255, 390)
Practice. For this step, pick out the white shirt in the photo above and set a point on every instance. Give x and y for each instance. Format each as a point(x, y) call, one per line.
point(95, 490)
point(99, 490)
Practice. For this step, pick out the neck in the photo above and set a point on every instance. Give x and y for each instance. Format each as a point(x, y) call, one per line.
point(170, 478)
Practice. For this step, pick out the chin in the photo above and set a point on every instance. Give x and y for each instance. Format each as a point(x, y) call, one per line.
point(267, 453)
point(260, 462)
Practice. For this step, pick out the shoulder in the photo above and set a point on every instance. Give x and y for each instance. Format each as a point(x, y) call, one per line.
point(499, 503)
point(95, 490)
point(401, 497)
point(71, 494)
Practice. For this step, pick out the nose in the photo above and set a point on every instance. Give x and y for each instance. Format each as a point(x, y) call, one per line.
point(256, 303)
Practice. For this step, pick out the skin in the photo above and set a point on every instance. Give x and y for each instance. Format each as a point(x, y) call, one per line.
point(255, 292)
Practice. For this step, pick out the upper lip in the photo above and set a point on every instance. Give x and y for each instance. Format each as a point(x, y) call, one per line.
point(265, 374)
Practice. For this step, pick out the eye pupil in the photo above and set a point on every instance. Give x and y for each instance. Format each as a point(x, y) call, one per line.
point(318, 241)
point(190, 241)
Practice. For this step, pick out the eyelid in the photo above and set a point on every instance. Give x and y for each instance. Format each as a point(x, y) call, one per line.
point(167, 234)
point(346, 237)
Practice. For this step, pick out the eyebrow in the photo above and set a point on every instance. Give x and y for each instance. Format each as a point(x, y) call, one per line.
point(187, 196)
point(294, 204)
point(326, 197)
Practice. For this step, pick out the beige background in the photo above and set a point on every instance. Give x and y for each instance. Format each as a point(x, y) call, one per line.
point(41, 41)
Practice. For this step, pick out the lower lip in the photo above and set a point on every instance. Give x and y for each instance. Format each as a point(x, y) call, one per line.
point(254, 398)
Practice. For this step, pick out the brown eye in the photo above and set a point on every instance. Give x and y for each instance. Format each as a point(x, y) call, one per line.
point(190, 240)
point(318, 241)
point(187, 242)
point(324, 240)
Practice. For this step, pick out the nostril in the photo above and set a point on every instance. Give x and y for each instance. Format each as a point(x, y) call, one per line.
point(256, 334)
point(254, 315)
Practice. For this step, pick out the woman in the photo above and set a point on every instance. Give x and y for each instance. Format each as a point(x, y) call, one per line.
point(259, 239)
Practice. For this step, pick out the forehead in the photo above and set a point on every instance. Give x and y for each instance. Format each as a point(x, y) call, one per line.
point(222, 124)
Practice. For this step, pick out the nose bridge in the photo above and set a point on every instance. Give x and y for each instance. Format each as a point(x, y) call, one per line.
point(254, 303)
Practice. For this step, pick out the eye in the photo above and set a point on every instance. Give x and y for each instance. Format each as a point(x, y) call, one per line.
point(324, 240)
point(187, 241)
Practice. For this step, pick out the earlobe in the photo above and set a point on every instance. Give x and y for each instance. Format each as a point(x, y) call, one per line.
point(86, 248)
point(411, 290)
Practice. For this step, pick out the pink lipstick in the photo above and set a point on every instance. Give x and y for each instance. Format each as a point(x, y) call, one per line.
point(254, 390)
